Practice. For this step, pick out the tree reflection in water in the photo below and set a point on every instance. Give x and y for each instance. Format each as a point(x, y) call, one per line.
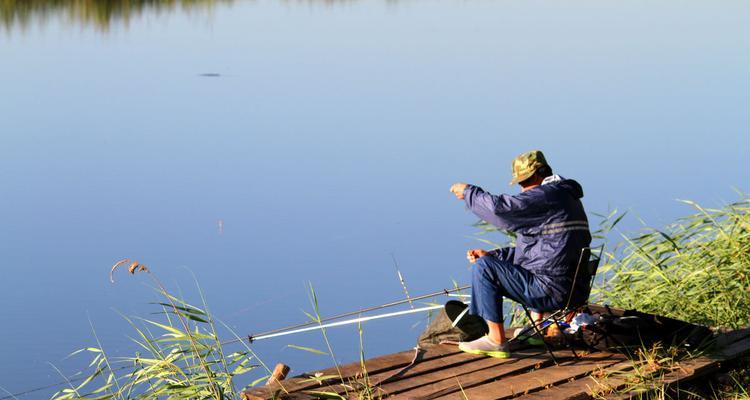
point(98, 13)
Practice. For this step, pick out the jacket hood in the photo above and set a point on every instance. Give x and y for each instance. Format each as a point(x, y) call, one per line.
point(568, 185)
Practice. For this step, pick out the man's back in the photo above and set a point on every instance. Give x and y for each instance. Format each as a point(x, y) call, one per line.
point(553, 246)
point(549, 221)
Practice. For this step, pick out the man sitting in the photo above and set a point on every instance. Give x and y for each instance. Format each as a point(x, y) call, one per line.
point(551, 228)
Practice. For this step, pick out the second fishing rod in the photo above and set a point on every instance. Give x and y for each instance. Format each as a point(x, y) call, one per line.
point(446, 292)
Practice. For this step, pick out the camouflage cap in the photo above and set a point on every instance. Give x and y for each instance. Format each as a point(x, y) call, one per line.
point(524, 166)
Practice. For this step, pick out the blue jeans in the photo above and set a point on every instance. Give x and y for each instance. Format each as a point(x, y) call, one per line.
point(493, 279)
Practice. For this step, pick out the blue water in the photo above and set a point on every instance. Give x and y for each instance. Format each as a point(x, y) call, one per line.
point(327, 145)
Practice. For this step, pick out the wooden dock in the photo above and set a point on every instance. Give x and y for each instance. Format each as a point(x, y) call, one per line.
point(443, 372)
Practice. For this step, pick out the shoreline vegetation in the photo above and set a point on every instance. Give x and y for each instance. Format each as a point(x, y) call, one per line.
point(696, 269)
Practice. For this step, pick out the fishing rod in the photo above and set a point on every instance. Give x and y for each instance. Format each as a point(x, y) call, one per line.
point(316, 324)
point(253, 338)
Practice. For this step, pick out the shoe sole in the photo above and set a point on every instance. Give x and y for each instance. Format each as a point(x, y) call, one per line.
point(496, 354)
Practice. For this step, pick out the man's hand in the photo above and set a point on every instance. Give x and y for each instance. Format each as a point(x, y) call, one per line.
point(458, 190)
point(474, 254)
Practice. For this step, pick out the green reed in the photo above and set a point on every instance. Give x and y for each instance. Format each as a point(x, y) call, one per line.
point(180, 357)
point(696, 269)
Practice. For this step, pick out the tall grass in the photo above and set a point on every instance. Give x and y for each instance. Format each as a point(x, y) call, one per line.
point(696, 269)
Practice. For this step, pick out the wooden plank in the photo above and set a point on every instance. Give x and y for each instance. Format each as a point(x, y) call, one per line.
point(442, 363)
point(393, 361)
point(583, 388)
point(388, 362)
point(538, 379)
point(436, 364)
point(479, 364)
point(433, 370)
point(512, 365)
point(580, 389)
point(373, 365)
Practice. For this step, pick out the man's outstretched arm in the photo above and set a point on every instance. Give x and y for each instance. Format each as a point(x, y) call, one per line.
point(503, 211)
point(481, 203)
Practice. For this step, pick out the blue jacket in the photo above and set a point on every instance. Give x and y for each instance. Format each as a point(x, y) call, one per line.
point(550, 224)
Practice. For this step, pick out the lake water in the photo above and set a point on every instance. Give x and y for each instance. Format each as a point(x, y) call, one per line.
point(324, 135)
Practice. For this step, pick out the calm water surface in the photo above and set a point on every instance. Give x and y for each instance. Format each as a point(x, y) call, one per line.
point(325, 136)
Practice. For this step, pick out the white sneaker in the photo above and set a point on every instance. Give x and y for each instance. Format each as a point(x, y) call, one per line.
point(486, 347)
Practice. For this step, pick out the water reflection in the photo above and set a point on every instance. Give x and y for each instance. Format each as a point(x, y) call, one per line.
point(101, 14)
